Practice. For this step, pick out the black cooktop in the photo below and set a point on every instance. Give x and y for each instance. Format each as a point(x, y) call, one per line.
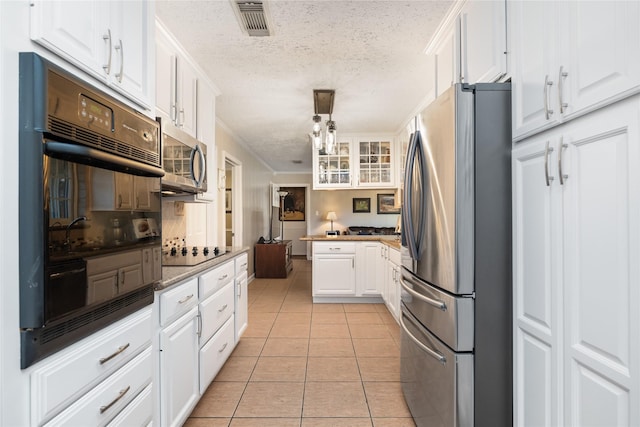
point(189, 256)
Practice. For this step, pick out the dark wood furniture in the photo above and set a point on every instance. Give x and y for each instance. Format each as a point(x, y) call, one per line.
point(273, 260)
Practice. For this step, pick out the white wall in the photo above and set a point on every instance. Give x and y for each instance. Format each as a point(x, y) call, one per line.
point(255, 191)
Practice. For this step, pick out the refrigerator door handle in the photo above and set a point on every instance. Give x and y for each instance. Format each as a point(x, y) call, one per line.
point(438, 356)
point(407, 227)
point(434, 302)
point(420, 152)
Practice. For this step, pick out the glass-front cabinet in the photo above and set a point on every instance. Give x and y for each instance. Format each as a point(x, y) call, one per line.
point(357, 162)
point(333, 170)
point(375, 167)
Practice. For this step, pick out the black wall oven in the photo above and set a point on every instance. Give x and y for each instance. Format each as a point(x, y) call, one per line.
point(89, 209)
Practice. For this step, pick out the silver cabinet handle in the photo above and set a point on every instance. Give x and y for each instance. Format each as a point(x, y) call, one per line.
point(239, 290)
point(223, 308)
point(439, 357)
point(436, 303)
point(334, 249)
point(119, 75)
point(353, 263)
point(122, 277)
point(560, 150)
point(181, 117)
point(223, 347)
point(104, 408)
point(114, 354)
point(547, 150)
point(548, 112)
point(223, 277)
point(187, 298)
point(243, 266)
point(107, 66)
point(199, 333)
point(562, 75)
point(119, 200)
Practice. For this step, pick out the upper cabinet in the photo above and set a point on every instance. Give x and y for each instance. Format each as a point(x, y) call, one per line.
point(359, 162)
point(176, 83)
point(470, 45)
point(570, 58)
point(112, 41)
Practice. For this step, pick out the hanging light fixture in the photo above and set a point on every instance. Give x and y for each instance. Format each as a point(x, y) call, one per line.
point(316, 135)
point(332, 140)
point(323, 104)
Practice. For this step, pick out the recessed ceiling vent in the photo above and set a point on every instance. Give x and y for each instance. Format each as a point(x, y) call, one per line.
point(252, 17)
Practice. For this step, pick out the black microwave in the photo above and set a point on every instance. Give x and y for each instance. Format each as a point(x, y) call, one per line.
point(184, 160)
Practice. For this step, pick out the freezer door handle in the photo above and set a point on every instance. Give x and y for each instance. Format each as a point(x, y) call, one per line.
point(436, 355)
point(434, 302)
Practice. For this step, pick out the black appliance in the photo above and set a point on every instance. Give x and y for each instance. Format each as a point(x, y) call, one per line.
point(89, 200)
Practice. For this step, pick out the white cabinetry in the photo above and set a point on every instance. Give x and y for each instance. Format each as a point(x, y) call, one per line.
point(392, 282)
point(242, 302)
point(120, 191)
point(151, 264)
point(470, 45)
point(113, 41)
point(90, 382)
point(359, 162)
point(179, 350)
point(570, 58)
point(334, 269)
point(111, 275)
point(176, 82)
point(370, 268)
point(576, 245)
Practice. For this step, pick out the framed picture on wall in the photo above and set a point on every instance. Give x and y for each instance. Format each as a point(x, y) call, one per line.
point(386, 204)
point(292, 204)
point(361, 204)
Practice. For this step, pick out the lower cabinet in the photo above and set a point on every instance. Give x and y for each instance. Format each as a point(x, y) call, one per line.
point(392, 282)
point(96, 380)
point(215, 352)
point(242, 305)
point(179, 351)
point(348, 271)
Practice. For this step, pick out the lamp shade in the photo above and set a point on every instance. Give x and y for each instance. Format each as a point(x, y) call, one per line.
point(331, 216)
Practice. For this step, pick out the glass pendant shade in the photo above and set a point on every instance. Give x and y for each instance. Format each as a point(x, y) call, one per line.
point(316, 137)
point(316, 124)
point(331, 137)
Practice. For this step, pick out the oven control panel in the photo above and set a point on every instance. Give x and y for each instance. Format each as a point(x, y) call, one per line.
point(95, 114)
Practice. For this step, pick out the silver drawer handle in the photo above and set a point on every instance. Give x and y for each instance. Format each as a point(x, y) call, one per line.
point(223, 308)
point(223, 347)
point(223, 277)
point(182, 301)
point(243, 265)
point(124, 391)
point(117, 352)
point(334, 249)
point(438, 304)
point(439, 357)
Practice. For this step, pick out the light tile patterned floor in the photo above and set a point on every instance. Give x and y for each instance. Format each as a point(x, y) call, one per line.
point(308, 365)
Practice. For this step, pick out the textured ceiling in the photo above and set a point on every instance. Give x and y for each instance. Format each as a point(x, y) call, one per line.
point(370, 52)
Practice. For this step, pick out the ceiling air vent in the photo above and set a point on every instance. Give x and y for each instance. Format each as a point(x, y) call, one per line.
point(252, 17)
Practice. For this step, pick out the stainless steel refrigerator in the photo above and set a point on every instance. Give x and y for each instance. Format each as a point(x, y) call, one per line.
point(456, 353)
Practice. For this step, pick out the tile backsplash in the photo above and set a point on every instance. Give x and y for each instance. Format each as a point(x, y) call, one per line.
point(174, 227)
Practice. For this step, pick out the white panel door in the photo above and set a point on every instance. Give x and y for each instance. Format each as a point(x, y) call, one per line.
point(602, 56)
point(447, 60)
point(334, 275)
point(483, 41)
point(601, 252)
point(534, 49)
point(537, 285)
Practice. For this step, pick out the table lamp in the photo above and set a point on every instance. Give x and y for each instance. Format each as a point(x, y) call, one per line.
point(331, 216)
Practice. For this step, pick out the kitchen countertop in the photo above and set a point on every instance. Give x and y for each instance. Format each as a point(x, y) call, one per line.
point(176, 274)
point(391, 241)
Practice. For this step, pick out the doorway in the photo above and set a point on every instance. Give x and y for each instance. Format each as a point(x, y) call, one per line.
point(232, 201)
point(295, 215)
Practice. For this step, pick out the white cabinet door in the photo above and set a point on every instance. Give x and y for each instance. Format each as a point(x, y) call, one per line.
point(242, 305)
point(375, 162)
point(166, 74)
point(187, 96)
point(369, 273)
point(601, 56)
point(576, 245)
point(132, 27)
point(77, 30)
point(179, 390)
point(570, 58)
point(446, 53)
point(534, 52)
point(334, 275)
point(334, 170)
point(537, 291)
point(483, 41)
point(600, 258)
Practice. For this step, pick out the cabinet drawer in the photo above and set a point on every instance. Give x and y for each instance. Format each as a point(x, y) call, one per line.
point(178, 300)
point(241, 263)
point(394, 256)
point(214, 353)
point(334, 248)
point(215, 279)
point(107, 399)
point(215, 310)
point(62, 378)
point(138, 412)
